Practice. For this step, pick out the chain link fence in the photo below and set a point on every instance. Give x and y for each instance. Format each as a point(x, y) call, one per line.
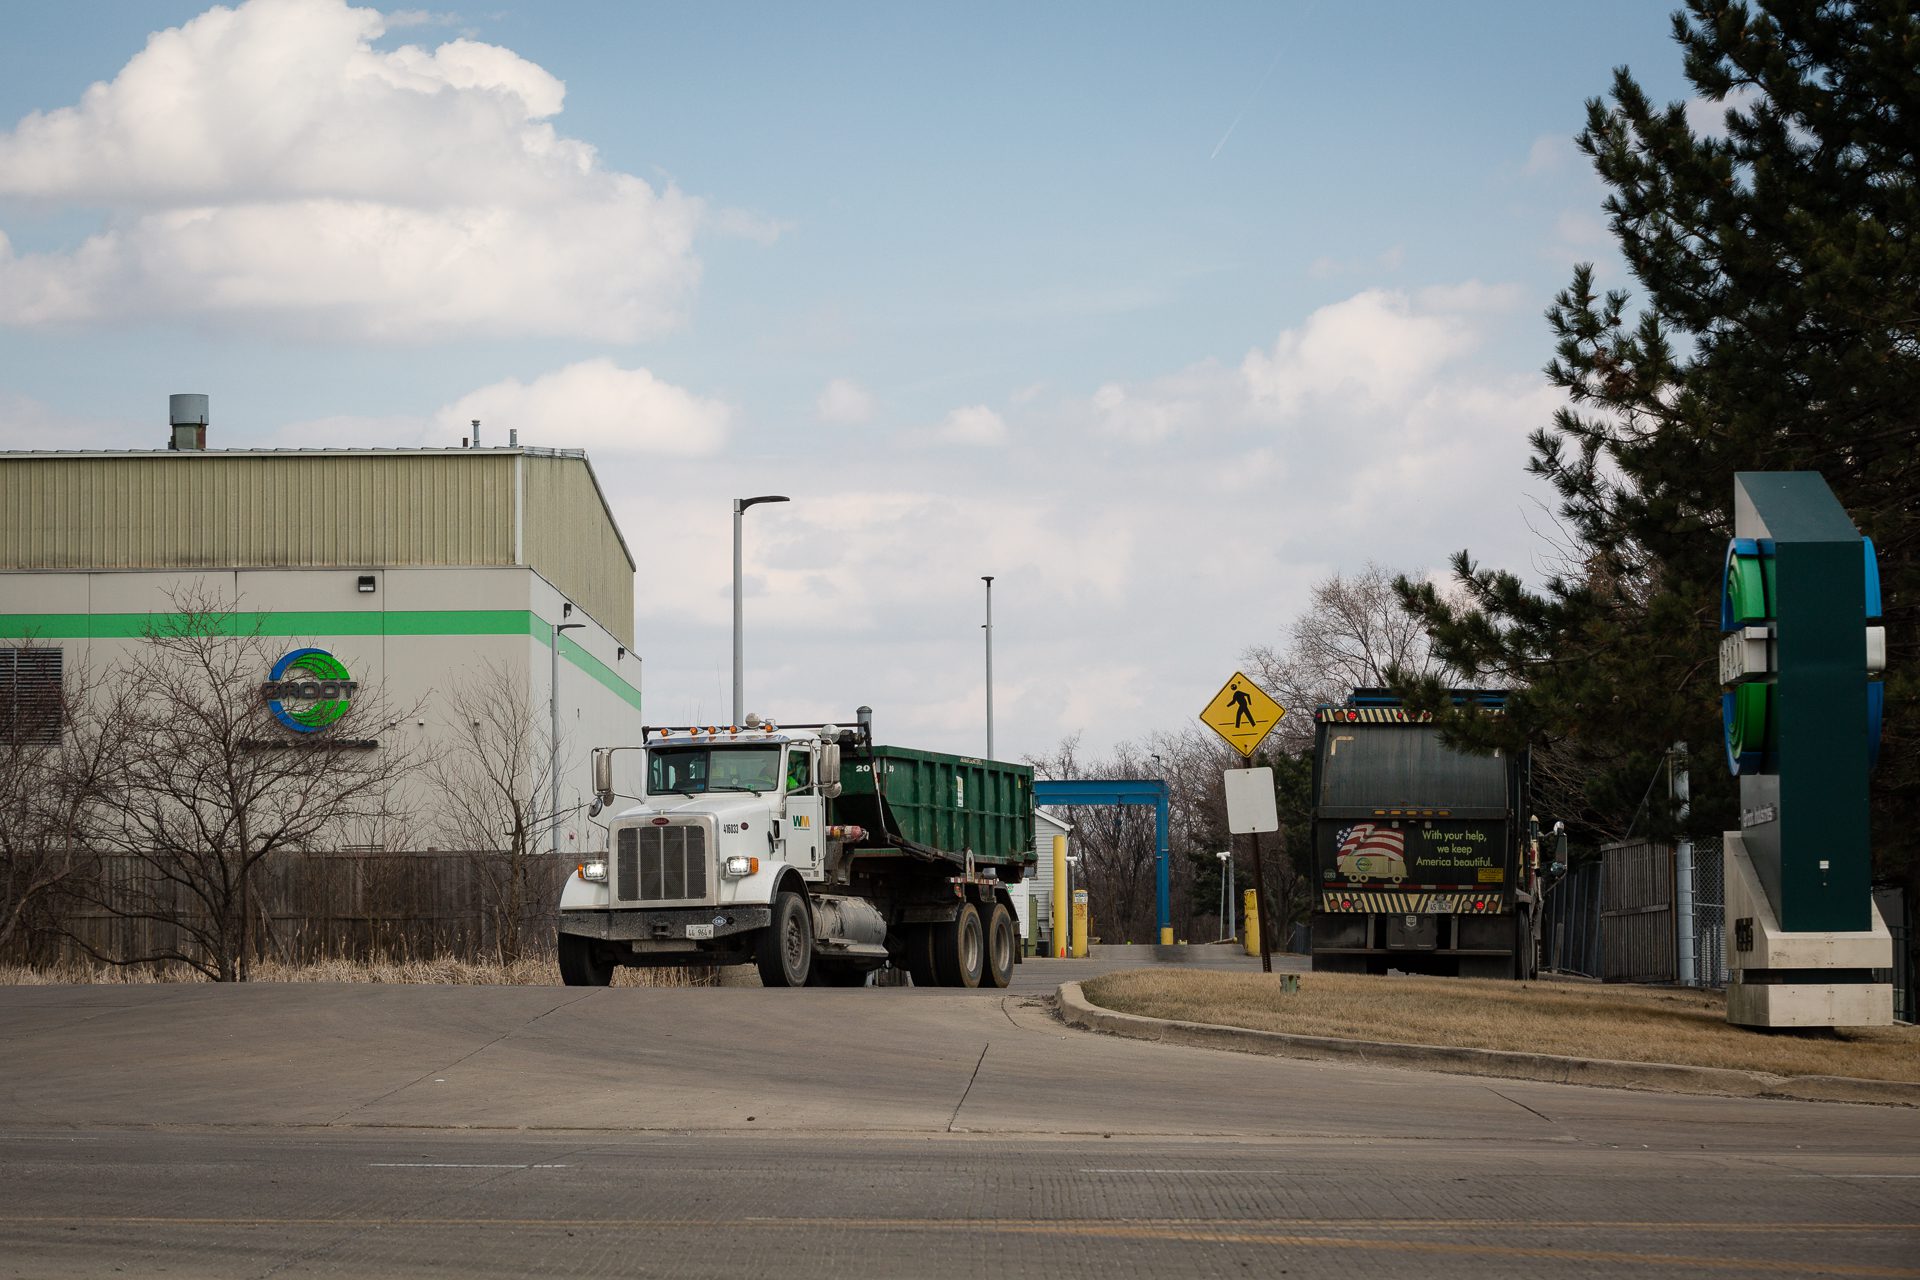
point(1709, 913)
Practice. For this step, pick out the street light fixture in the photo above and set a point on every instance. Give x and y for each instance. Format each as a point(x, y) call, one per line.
point(553, 701)
point(739, 685)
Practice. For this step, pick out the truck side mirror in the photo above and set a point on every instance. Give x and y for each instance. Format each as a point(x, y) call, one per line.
point(603, 777)
point(830, 769)
point(1560, 846)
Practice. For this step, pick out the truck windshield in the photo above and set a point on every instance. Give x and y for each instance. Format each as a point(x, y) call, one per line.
point(689, 770)
point(1397, 766)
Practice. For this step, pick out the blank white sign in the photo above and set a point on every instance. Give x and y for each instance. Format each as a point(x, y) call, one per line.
point(1250, 802)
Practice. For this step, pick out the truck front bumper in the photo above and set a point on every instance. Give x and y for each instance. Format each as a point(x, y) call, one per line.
point(669, 924)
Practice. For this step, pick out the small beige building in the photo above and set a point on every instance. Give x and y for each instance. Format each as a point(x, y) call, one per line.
point(413, 568)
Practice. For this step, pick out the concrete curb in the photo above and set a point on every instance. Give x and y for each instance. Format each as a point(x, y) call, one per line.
point(1504, 1064)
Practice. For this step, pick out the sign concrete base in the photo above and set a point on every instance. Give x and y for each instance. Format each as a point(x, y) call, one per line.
point(1800, 979)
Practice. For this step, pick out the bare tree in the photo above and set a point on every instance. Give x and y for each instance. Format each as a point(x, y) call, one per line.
point(1353, 634)
point(214, 785)
point(62, 745)
point(493, 776)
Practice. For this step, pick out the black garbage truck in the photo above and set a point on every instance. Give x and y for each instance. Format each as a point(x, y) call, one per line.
point(1426, 858)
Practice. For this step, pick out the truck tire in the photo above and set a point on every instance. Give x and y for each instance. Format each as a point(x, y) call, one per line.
point(1524, 953)
point(582, 963)
point(919, 954)
point(784, 950)
point(960, 949)
point(1003, 946)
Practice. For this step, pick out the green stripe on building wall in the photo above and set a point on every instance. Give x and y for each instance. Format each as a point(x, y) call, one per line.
point(316, 624)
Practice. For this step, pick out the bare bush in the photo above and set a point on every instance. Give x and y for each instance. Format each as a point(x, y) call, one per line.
point(217, 786)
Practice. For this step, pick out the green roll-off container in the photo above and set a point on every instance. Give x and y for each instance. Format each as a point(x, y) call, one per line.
point(949, 803)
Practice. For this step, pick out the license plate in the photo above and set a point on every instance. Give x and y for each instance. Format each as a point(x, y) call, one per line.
point(699, 931)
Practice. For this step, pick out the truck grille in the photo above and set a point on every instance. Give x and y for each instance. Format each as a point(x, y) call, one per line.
point(661, 864)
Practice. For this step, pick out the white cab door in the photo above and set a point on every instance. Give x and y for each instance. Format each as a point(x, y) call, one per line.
point(802, 834)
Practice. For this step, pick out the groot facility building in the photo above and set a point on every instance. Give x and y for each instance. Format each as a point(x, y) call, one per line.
point(415, 569)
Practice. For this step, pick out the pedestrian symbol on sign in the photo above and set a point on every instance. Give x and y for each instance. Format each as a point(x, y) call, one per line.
point(1242, 704)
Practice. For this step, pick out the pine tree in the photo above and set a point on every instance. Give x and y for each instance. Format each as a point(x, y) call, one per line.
point(1776, 327)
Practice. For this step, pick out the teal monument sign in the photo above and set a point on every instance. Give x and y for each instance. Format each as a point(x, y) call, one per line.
point(1800, 609)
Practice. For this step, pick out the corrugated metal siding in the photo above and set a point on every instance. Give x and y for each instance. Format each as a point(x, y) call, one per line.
point(572, 542)
point(246, 510)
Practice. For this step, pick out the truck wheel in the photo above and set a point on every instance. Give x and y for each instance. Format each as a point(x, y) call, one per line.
point(1523, 949)
point(959, 949)
point(582, 963)
point(784, 951)
point(1003, 943)
point(919, 958)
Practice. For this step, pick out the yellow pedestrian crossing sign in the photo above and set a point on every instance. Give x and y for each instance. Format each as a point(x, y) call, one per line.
point(1242, 713)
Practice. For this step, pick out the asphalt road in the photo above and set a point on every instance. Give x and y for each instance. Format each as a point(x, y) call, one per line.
point(316, 1130)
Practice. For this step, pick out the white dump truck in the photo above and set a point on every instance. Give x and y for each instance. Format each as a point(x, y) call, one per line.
point(807, 851)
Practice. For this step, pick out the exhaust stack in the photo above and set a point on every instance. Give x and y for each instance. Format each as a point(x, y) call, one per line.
point(187, 416)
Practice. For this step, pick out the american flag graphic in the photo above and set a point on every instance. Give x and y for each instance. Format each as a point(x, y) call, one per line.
point(1371, 850)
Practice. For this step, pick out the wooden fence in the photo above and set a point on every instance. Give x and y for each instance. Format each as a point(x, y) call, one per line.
point(1636, 913)
point(315, 906)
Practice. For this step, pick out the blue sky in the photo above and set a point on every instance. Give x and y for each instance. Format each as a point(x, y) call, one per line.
point(1160, 313)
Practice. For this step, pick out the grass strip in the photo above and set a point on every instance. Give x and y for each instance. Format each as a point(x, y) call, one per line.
point(1621, 1023)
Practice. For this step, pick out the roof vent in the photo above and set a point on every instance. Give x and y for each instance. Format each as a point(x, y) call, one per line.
point(187, 415)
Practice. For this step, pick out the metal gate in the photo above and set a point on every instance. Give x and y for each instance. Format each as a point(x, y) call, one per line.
point(1570, 922)
point(1636, 913)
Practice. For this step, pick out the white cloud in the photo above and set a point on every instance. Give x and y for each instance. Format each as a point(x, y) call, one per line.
point(266, 165)
point(1472, 296)
point(1708, 117)
point(1578, 233)
point(1370, 348)
point(593, 405)
point(28, 424)
point(974, 425)
point(1551, 153)
point(845, 402)
point(1388, 260)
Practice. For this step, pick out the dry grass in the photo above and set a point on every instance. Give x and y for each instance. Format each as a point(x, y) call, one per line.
point(1635, 1024)
point(538, 971)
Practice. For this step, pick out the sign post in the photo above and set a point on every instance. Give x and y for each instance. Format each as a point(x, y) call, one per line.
point(1243, 715)
point(1251, 809)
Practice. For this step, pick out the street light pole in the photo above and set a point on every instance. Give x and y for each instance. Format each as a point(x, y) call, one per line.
point(988, 579)
point(553, 703)
point(739, 681)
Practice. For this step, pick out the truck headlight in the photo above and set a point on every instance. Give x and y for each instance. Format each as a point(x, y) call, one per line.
point(596, 871)
point(740, 866)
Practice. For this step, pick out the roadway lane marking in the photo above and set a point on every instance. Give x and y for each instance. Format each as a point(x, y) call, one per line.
point(415, 1165)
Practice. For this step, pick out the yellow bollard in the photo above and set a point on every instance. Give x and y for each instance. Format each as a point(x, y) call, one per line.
point(1060, 897)
point(1250, 926)
point(1166, 936)
point(1079, 924)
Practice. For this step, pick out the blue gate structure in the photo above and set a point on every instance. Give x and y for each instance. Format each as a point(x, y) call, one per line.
point(1104, 791)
